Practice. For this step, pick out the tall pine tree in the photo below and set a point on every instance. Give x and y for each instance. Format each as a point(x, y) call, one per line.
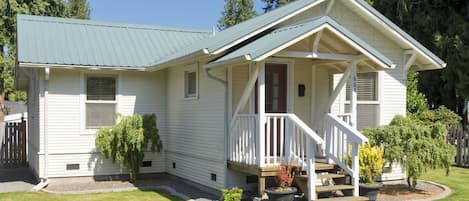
point(236, 11)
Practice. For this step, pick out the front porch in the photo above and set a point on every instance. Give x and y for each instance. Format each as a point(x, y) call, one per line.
point(280, 111)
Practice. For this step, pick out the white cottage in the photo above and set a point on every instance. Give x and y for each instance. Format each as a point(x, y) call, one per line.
point(297, 84)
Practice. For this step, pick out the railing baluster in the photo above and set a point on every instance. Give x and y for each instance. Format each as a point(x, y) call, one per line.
point(267, 133)
point(275, 136)
point(282, 136)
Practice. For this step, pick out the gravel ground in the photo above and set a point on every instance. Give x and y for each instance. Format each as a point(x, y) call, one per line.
point(179, 186)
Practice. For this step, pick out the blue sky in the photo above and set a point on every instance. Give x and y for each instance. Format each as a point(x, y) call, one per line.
point(177, 13)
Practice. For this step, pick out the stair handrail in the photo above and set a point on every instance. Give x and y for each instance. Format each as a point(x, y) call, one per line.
point(351, 132)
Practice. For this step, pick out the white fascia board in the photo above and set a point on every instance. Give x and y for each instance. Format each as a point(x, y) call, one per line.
point(66, 66)
point(237, 60)
point(268, 26)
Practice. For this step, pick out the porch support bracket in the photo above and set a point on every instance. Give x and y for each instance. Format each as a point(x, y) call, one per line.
point(342, 82)
point(411, 60)
point(246, 93)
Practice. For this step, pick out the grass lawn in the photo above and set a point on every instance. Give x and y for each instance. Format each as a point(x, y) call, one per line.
point(115, 196)
point(458, 181)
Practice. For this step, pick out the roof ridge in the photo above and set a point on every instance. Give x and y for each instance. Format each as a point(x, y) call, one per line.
point(108, 24)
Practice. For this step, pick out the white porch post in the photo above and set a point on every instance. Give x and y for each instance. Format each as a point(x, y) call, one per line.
point(353, 95)
point(261, 114)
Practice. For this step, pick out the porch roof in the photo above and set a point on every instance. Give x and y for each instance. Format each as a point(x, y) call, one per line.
point(279, 39)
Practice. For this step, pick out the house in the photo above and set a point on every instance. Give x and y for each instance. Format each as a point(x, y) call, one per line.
point(288, 85)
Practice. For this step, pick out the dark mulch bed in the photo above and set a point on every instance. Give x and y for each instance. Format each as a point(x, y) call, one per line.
point(400, 191)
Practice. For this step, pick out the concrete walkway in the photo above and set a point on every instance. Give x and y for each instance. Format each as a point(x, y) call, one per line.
point(177, 186)
point(16, 179)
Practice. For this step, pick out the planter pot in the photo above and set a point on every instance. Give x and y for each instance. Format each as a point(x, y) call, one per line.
point(277, 194)
point(371, 191)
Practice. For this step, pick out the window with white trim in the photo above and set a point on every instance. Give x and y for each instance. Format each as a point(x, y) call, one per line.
point(190, 83)
point(100, 101)
point(367, 87)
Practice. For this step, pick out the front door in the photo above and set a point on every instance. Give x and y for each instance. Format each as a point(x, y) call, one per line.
point(275, 102)
point(276, 88)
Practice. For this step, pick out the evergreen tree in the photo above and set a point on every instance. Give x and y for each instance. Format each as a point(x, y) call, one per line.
point(79, 9)
point(236, 11)
point(273, 4)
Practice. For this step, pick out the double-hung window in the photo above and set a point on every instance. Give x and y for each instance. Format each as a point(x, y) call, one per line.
point(100, 101)
point(190, 84)
point(367, 87)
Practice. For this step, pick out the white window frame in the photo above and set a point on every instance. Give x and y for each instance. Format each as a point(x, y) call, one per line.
point(85, 130)
point(191, 69)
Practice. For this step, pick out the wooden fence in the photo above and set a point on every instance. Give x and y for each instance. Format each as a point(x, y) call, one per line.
point(13, 145)
point(459, 138)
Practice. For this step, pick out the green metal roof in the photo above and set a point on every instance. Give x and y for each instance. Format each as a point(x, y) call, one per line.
point(233, 35)
point(50, 40)
point(264, 45)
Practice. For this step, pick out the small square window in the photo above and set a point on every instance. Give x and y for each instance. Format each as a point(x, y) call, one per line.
point(190, 79)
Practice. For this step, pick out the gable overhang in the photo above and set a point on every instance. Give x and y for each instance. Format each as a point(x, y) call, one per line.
point(431, 60)
point(315, 26)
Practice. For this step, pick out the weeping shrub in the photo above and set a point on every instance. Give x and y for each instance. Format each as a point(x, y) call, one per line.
point(126, 142)
point(415, 144)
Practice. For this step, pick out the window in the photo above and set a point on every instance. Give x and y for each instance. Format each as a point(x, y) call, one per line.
point(190, 82)
point(367, 87)
point(100, 101)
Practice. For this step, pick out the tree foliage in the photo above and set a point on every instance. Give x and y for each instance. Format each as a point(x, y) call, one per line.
point(126, 142)
point(415, 144)
point(443, 27)
point(236, 11)
point(416, 101)
point(9, 10)
point(273, 4)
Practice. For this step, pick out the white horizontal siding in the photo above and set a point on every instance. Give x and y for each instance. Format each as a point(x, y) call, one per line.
point(393, 83)
point(138, 92)
point(196, 133)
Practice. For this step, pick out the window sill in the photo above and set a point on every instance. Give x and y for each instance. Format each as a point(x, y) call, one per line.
point(191, 98)
point(365, 102)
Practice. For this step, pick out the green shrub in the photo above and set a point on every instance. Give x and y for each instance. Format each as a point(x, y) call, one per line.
point(126, 142)
point(415, 144)
point(371, 160)
point(234, 194)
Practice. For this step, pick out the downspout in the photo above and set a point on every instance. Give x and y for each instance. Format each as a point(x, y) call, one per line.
point(225, 84)
point(45, 180)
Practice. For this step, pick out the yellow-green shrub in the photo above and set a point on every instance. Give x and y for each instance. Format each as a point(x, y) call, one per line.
point(234, 194)
point(371, 160)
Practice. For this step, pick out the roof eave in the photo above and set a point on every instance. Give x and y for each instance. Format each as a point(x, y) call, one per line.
point(237, 60)
point(73, 66)
point(172, 62)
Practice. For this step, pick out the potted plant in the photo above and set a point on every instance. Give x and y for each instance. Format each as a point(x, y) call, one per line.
point(284, 191)
point(371, 160)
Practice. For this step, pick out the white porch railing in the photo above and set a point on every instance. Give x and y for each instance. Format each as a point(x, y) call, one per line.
point(342, 142)
point(346, 117)
point(286, 139)
point(243, 139)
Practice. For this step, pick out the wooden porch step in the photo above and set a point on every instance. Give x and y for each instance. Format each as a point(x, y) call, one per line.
point(324, 176)
point(324, 166)
point(344, 199)
point(323, 189)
